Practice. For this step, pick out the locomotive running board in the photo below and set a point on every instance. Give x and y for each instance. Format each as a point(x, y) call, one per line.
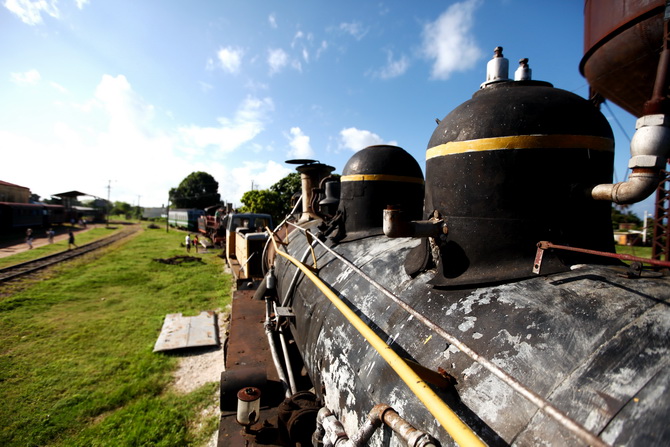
point(187, 332)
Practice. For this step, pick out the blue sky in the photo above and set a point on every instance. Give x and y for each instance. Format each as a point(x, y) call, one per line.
point(142, 93)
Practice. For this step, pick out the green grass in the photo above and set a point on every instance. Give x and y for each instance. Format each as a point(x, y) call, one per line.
point(76, 360)
point(641, 252)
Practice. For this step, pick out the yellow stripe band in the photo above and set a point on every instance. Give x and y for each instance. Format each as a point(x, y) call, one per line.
point(522, 142)
point(380, 178)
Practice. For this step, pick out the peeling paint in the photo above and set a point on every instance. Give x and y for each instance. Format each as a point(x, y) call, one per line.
point(548, 332)
point(468, 324)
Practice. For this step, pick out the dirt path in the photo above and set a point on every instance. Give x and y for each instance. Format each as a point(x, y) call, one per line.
point(200, 366)
point(18, 245)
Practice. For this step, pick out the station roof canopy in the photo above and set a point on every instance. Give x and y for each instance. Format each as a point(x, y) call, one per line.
point(74, 194)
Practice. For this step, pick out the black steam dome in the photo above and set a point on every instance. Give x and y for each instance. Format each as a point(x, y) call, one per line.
point(510, 168)
point(374, 178)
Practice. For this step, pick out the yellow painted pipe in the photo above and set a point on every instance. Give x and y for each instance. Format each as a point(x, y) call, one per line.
point(457, 429)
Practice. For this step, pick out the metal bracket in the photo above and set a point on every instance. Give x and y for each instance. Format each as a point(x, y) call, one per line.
point(285, 312)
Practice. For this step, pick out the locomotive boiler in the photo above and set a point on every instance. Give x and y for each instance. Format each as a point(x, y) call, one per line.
point(482, 305)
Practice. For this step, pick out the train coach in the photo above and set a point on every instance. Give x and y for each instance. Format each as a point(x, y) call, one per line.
point(16, 216)
point(185, 219)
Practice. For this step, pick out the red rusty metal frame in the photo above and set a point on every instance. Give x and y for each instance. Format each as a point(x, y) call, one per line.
point(544, 245)
point(660, 245)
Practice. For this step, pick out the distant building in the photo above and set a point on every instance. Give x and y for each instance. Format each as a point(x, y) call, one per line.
point(631, 237)
point(10, 192)
point(153, 213)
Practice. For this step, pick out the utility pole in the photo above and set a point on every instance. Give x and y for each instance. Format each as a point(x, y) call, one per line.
point(109, 191)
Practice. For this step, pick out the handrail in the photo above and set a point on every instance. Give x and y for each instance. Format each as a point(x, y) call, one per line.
point(541, 403)
point(457, 429)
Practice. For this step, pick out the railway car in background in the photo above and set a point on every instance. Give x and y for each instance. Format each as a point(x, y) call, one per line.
point(185, 219)
point(213, 225)
point(246, 237)
point(16, 216)
point(20, 215)
point(53, 215)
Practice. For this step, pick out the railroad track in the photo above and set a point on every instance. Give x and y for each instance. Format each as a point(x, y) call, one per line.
point(25, 268)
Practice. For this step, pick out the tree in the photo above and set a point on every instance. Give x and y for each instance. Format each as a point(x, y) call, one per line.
point(286, 187)
point(121, 208)
point(197, 190)
point(34, 198)
point(619, 217)
point(262, 201)
point(275, 201)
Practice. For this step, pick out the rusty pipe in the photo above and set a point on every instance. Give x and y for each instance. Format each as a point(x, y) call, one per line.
point(331, 431)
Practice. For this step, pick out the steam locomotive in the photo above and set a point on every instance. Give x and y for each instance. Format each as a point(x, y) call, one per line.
point(470, 307)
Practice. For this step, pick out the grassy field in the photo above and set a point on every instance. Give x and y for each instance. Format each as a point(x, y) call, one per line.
point(642, 252)
point(76, 360)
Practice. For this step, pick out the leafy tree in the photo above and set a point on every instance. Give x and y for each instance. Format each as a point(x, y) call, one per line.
point(121, 208)
point(277, 200)
point(34, 198)
point(262, 201)
point(286, 187)
point(624, 216)
point(197, 190)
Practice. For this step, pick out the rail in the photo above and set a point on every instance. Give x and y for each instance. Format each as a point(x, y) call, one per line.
point(457, 429)
point(563, 419)
point(25, 268)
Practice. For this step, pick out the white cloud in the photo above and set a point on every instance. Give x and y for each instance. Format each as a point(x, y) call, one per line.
point(272, 20)
point(233, 183)
point(393, 68)
point(231, 133)
point(205, 86)
point(127, 112)
point(29, 77)
point(230, 59)
point(298, 35)
point(30, 11)
point(449, 40)
point(356, 139)
point(81, 3)
point(322, 48)
point(304, 42)
point(299, 142)
point(277, 60)
point(356, 29)
point(113, 138)
point(58, 87)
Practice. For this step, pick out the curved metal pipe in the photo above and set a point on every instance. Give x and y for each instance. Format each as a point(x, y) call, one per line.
point(330, 428)
point(640, 185)
point(457, 429)
point(649, 150)
point(273, 350)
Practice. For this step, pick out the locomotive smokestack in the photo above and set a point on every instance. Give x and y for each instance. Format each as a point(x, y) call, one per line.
point(311, 175)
